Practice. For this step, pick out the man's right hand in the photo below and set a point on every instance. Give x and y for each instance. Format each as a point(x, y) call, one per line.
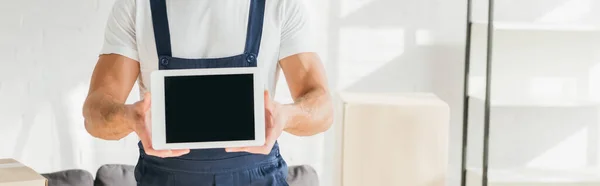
point(138, 115)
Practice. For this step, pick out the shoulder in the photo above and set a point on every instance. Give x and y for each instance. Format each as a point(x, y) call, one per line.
point(286, 7)
point(125, 4)
point(124, 8)
point(286, 3)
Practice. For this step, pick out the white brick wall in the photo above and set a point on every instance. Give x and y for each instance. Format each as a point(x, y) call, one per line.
point(49, 49)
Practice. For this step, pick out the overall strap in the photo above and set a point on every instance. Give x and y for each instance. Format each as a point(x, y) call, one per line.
point(160, 22)
point(255, 27)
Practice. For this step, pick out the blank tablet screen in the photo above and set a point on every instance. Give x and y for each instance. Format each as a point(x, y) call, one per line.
point(209, 108)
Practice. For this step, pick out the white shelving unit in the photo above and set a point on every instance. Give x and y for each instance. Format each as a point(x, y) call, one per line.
point(545, 88)
point(540, 64)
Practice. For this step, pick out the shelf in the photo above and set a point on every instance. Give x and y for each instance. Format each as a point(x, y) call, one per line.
point(530, 102)
point(522, 26)
point(570, 177)
point(391, 98)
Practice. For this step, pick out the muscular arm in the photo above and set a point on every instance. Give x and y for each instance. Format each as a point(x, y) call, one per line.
point(312, 110)
point(104, 109)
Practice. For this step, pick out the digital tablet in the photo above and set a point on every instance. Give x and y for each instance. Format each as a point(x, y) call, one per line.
point(207, 108)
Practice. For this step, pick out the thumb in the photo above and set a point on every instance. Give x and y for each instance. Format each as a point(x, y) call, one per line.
point(147, 101)
point(266, 95)
point(268, 103)
point(143, 105)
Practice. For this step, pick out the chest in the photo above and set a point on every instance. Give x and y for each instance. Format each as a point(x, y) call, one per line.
point(207, 29)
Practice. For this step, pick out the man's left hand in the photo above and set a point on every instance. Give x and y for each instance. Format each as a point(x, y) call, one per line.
point(275, 122)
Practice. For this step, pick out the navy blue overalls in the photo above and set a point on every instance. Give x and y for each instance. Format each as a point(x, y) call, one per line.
point(210, 167)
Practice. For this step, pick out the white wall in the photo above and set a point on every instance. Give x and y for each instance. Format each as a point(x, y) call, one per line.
point(49, 49)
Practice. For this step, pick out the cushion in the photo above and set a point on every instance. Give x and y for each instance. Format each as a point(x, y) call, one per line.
point(115, 175)
point(303, 175)
point(70, 178)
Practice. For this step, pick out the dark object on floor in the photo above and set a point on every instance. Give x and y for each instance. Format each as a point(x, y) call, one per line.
point(122, 175)
point(70, 178)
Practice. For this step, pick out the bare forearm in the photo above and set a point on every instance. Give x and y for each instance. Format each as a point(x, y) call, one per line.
point(310, 114)
point(105, 118)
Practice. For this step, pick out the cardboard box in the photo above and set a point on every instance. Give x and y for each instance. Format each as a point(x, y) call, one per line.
point(13, 173)
point(394, 139)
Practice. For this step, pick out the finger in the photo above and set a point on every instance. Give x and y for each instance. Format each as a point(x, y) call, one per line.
point(142, 106)
point(144, 133)
point(260, 150)
point(267, 100)
point(180, 152)
point(264, 149)
point(271, 137)
point(253, 150)
point(166, 153)
point(145, 139)
point(162, 153)
point(270, 141)
point(236, 149)
point(266, 94)
point(147, 101)
point(268, 115)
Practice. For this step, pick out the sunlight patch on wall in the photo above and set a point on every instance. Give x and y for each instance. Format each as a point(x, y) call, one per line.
point(10, 132)
point(570, 153)
point(41, 139)
point(347, 7)
point(10, 116)
point(364, 50)
point(424, 37)
point(594, 83)
point(553, 90)
point(570, 12)
point(11, 102)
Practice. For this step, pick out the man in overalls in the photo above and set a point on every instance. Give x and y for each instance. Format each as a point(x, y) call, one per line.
point(147, 35)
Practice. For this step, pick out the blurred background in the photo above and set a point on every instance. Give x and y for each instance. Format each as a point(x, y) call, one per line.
point(546, 82)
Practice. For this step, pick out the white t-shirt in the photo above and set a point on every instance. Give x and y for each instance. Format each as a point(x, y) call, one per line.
point(208, 29)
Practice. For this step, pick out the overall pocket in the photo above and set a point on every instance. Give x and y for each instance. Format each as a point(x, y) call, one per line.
point(274, 174)
point(148, 175)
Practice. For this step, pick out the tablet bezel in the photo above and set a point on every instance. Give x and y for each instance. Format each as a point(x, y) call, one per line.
point(158, 108)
